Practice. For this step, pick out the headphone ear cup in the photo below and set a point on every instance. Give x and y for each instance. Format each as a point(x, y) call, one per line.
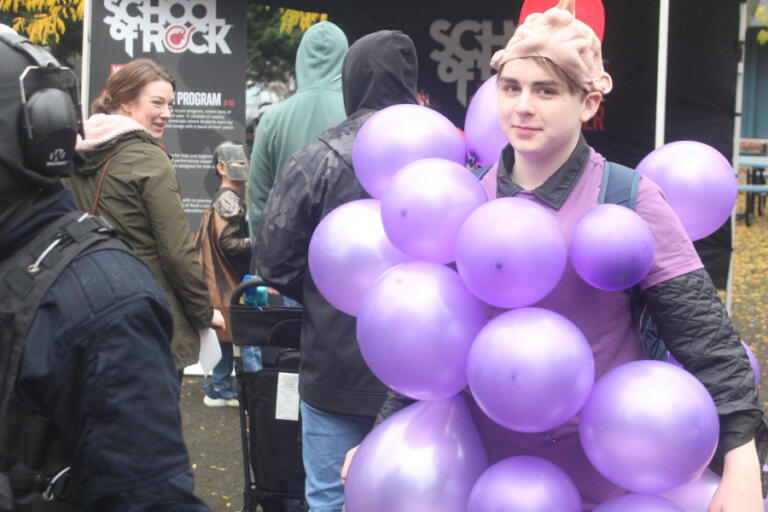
point(53, 123)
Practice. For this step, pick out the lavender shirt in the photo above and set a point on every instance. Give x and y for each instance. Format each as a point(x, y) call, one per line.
point(604, 317)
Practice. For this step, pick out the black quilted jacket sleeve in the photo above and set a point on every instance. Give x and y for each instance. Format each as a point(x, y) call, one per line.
point(695, 326)
point(392, 403)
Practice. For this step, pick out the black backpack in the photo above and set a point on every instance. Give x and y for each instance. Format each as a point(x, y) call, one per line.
point(619, 186)
point(25, 277)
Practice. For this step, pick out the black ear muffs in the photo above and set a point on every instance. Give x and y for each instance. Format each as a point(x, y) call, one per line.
point(49, 130)
point(50, 117)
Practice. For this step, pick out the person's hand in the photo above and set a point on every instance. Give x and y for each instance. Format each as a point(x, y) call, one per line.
point(217, 322)
point(272, 291)
point(740, 489)
point(347, 462)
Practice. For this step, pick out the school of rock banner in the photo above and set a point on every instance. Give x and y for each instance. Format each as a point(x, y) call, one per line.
point(202, 43)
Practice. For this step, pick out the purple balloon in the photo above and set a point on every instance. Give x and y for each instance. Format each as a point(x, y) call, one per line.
point(425, 204)
point(638, 503)
point(696, 494)
point(750, 355)
point(671, 359)
point(612, 247)
point(349, 251)
point(752, 362)
point(425, 458)
point(415, 327)
point(485, 138)
point(649, 426)
point(698, 182)
point(398, 135)
point(524, 484)
point(530, 369)
point(511, 252)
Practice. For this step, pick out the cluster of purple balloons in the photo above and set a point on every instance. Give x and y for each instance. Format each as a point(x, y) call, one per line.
point(423, 330)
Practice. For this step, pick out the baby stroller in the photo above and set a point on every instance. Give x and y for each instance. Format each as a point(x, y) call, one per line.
point(269, 404)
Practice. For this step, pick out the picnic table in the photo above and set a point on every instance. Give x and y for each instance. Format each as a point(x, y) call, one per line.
point(755, 188)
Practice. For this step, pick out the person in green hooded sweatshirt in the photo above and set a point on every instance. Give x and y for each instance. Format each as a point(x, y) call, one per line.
point(317, 105)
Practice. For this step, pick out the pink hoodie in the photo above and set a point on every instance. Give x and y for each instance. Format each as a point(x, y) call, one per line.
point(101, 128)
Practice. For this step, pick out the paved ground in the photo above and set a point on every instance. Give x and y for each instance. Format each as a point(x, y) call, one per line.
point(750, 291)
point(213, 434)
point(213, 439)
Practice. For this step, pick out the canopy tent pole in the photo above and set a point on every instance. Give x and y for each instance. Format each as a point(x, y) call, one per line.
point(737, 135)
point(85, 78)
point(661, 75)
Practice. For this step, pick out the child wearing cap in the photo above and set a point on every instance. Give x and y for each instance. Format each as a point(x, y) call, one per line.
point(551, 80)
point(224, 249)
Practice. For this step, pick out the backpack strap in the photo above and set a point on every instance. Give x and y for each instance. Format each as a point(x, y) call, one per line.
point(480, 172)
point(619, 185)
point(27, 274)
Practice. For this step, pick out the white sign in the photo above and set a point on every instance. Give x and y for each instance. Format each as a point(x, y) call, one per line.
point(287, 401)
point(175, 26)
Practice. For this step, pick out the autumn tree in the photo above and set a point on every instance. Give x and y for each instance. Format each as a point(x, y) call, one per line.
point(274, 34)
point(54, 23)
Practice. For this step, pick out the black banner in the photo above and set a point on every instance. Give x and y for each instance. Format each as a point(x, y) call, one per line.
point(701, 96)
point(455, 42)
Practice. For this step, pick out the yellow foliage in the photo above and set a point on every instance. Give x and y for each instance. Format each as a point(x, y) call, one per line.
point(47, 20)
point(762, 36)
point(291, 18)
point(762, 16)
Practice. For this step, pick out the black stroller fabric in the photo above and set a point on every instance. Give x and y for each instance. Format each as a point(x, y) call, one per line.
point(274, 470)
point(278, 326)
point(275, 444)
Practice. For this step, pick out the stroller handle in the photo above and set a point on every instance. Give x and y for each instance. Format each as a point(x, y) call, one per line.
point(242, 287)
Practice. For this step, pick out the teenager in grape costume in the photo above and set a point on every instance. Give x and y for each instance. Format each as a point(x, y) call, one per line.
point(551, 80)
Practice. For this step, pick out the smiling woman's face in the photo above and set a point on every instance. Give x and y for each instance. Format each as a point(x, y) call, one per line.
point(152, 108)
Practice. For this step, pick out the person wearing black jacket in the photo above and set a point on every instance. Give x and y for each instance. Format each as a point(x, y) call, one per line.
point(340, 397)
point(89, 412)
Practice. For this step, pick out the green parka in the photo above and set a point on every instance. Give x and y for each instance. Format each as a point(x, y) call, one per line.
point(141, 197)
point(317, 105)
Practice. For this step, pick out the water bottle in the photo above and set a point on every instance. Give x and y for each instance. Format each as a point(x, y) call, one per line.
point(254, 296)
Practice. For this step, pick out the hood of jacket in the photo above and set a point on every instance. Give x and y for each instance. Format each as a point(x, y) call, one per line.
point(380, 70)
point(320, 55)
point(103, 133)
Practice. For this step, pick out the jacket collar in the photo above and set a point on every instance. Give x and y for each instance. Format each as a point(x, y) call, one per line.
point(555, 190)
point(102, 128)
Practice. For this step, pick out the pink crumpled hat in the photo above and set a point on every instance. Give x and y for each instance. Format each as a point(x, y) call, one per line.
point(570, 43)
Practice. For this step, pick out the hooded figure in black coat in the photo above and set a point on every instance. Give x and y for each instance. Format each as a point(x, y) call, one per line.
point(379, 71)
